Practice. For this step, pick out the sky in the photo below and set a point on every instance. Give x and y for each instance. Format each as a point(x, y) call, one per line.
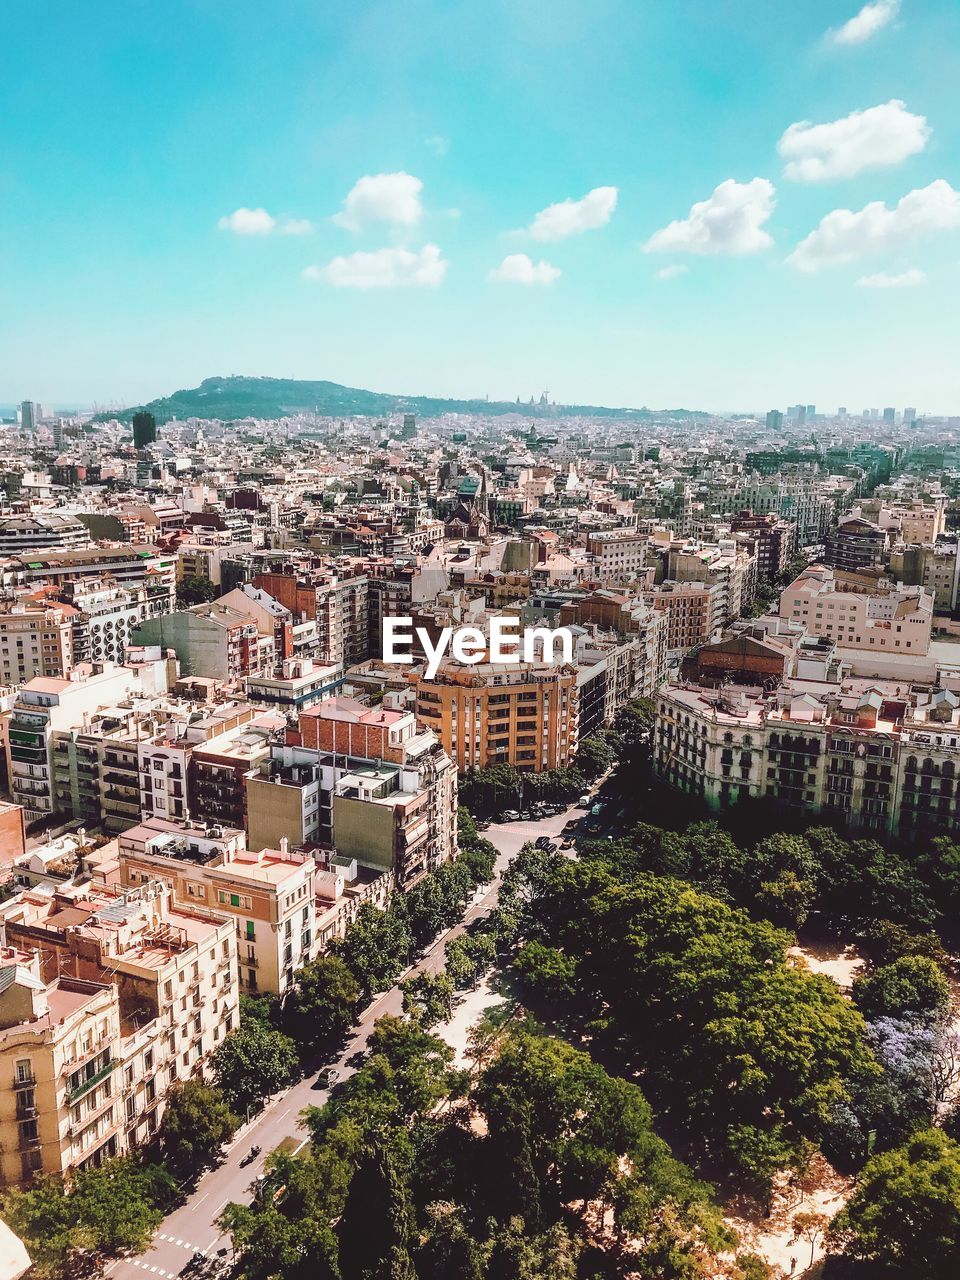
point(715, 204)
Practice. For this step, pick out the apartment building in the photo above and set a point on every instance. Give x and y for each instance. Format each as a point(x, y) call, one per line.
point(269, 895)
point(41, 532)
point(53, 1036)
point(393, 815)
point(860, 611)
point(338, 601)
point(772, 538)
point(105, 614)
point(855, 544)
point(217, 769)
point(297, 683)
point(875, 755)
point(43, 706)
point(210, 640)
point(165, 758)
point(131, 566)
point(122, 996)
point(692, 611)
point(728, 564)
point(619, 554)
point(489, 714)
point(36, 639)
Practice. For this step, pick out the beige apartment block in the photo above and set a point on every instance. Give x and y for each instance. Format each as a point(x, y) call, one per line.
point(860, 611)
point(35, 640)
point(268, 895)
point(147, 991)
point(59, 1041)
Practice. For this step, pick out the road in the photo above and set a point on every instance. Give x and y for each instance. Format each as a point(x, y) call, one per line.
point(192, 1228)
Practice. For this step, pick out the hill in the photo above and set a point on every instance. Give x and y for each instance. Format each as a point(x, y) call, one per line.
point(239, 397)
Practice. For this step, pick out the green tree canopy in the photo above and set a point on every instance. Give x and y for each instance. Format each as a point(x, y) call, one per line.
point(904, 1215)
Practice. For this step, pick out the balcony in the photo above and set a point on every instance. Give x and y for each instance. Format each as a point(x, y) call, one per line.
point(88, 1084)
point(25, 1082)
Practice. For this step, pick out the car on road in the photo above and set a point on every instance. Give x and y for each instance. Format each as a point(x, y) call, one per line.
point(326, 1077)
point(584, 801)
point(544, 842)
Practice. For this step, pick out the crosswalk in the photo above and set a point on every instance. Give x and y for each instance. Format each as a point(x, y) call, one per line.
point(144, 1266)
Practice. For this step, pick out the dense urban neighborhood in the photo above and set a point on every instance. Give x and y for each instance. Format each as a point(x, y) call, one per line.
point(637, 960)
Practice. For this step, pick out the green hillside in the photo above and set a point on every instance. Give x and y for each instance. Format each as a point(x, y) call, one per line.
point(238, 397)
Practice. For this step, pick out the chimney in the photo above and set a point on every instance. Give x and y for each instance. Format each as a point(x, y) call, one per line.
point(284, 846)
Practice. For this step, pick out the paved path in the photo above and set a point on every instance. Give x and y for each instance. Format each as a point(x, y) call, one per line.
point(192, 1228)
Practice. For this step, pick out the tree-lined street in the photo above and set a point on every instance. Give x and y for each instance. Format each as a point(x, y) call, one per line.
point(192, 1228)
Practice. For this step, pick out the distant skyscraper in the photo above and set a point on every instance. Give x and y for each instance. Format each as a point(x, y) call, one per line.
point(842, 411)
point(889, 415)
point(811, 410)
point(801, 413)
point(774, 420)
point(910, 414)
point(144, 429)
point(29, 415)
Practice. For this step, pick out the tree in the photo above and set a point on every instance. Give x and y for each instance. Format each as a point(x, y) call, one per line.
point(746, 1054)
point(252, 1063)
point(468, 956)
point(111, 1210)
point(905, 1212)
point(121, 1204)
point(449, 1251)
point(196, 1124)
point(377, 1229)
point(594, 756)
point(376, 948)
point(811, 1227)
point(545, 972)
point(322, 1004)
point(44, 1218)
point(909, 986)
point(195, 590)
point(428, 998)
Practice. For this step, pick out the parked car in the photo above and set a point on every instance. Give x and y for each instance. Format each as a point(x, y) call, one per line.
point(510, 815)
point(584, 802)
point(544, 842)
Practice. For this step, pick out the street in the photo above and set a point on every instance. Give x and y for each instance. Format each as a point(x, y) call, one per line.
point(192, 1228)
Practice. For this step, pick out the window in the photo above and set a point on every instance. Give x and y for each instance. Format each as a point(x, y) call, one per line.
point(24, 1071)
point(251, 932)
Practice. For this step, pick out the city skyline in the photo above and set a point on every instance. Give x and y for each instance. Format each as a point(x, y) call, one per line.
point(619, 206)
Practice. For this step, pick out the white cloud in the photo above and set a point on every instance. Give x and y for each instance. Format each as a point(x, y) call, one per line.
point(438, 144)
point(570, 217)
point(872, 18)
point(257, 222)
point(873, 139)
point(883, 280)
point(667, 273)
point(730, 222)
point(383, 269)
point(248, 222)
point(845, 235)
point(296, 227)
point(382, 197)
point(517, 268)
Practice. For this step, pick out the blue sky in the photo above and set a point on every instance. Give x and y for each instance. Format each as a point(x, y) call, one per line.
point(175, 199)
